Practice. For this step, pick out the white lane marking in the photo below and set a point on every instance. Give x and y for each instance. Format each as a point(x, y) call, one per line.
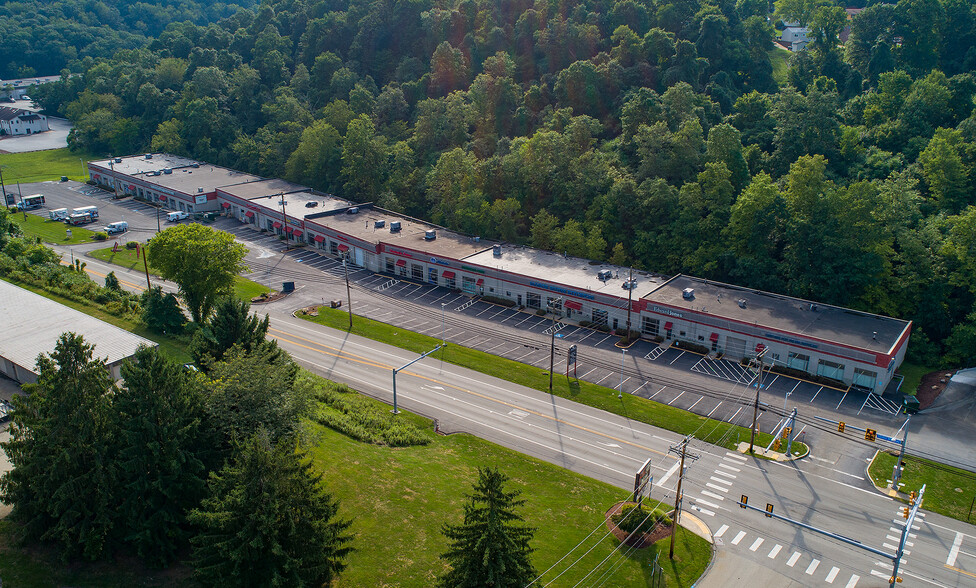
point(729, 454)
point(812, 567)
point(895, 547)
point(721, 531)
point(713, 495)
point(714, 487)
point(880, 574)
point(738, 537)
point(728, 467)
point(668, 474)
point(707, 503)
point(833, 574)
point(853, 581)
point(720, 480)
point(774, 551)
point(954, 551)
point(756, 544)
point(704, 511)
point(792, 561)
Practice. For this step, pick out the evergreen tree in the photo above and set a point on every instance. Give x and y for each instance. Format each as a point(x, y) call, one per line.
point(268, 521)
point(230, 325)
point(160, 473)
point(112, 283)
point(62, 483)
point(161, 311)
point(490, 548)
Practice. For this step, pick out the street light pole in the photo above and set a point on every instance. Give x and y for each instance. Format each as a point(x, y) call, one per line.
point(755, 408)
point(896, 473)
point(552, 341)
point(348, 292)
point(443, 304)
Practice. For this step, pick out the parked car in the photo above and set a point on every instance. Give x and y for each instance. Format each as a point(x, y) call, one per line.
point(175, 217)
point(116, 228)
point(6, 409)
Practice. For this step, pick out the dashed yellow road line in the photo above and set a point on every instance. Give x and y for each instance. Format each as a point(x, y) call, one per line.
point(955, 569)
point(338, 353)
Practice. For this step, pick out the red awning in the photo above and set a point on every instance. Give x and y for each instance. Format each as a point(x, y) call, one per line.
point(480, 282)
point(225, 204)
point(448, 274)
point(297, 234)
point(668, 325)
point(343, 248)
point(249, 214)
point(162, 199)
point(573, 305)
point(401, 263)
point(759, 347)
point(319, 238)
point(276, 225)
point(713, 337)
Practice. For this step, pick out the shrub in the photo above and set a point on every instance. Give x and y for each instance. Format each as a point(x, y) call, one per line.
point(346, 411)
point(499, 301)
point(100, 236)
point(540, 312)
point(131, 245)
point(633, 518)
point(689, 346)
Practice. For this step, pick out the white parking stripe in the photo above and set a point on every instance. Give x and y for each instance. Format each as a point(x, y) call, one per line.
point(792, 561)
point(738, 537)
point(721, 531)
point(774, 551)
point(833, 574)
point(756, 544)
point(853, 581)
point(812, 567)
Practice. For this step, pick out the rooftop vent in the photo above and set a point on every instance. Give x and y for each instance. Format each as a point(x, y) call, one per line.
point(874, 335)
point(149, 156)
point(167, 171)
point(379, 224)
point(496, 250)
point(195, 165)
point(742, 302)
point(430, 235)
point(394, 226)
point(352, 210)
point(688, 293)
point(199, 190)
point(118, 160)
point(604, 275)
point(813, 307)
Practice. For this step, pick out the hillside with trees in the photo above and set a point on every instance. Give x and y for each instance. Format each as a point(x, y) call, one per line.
point(648, 133)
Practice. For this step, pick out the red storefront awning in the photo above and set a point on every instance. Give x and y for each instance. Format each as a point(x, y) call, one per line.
point(668, 325)
point(225, 204)
point(343, 248)
point(162, 198)
point(448, 274)
point(249, 214)
point(480, 282)
point(319, 238)
point(401, 263)
point(276, 225)
point(298, 234)
point(289, 230)
point(713, 337)
point(573, 305)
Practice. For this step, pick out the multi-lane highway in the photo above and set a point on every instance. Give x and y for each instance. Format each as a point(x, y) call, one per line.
point(827, 490)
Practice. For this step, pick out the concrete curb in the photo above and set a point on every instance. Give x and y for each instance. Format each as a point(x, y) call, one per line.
point(773, 455)
point(696, 526)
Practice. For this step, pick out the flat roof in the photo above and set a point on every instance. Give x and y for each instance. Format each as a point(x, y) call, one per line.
point(263, 188)
point(268, 194)
point(362, 225)
point(189, 180)
point(570, 271)
point(784, 313)
point(33, 323)
point(138, 164)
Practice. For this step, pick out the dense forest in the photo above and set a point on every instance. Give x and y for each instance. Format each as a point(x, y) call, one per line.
point(40, 38)
point(652, 133)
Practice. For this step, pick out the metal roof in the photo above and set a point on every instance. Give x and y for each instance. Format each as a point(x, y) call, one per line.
point(33, 323)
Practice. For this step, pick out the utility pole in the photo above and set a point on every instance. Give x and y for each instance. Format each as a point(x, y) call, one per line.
point(145, 264)
point(443, 304)
point(3, 187)
point(620, 391)
point(755, 407)
point(896, 473)
point(284, 223)
point(552, 341)
point(348, 292)
point(630, 300)
point(683, 446)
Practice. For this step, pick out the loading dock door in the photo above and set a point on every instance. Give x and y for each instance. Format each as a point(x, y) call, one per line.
point(735, 348)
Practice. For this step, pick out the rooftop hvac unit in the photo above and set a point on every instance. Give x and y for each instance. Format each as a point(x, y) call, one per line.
point(688, 293)
point(167, 171)
point(742, 302)
point(379, 224)
point(604, 275)
point(118, 160)
point(496, 250)
point(430, 235)
point(352, 210)
point(394, 226)
point(199, 190)
point(195, 165)
point(149, 156)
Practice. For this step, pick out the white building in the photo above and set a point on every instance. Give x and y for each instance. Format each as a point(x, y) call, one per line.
point(795, 37)
point(15, 121)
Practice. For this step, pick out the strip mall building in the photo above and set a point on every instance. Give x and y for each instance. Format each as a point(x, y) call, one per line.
point(857, 348)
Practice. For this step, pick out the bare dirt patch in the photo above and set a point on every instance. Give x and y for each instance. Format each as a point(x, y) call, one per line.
point(933, 383)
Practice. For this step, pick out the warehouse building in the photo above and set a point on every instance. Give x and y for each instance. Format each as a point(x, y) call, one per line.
point(26, 335)
point(838, 345)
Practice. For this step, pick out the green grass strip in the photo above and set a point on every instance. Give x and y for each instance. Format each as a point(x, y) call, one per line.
point(913, 376)
point(630, 406)
point(51, 231)
point(949, 491)
point(44, 166)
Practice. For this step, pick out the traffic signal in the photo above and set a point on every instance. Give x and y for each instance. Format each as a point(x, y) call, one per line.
point(840, 427)
point(786, 432)
point(870, 435)
point(912, 497)
point(904, 511)
point(744, 501)
point(769, 510)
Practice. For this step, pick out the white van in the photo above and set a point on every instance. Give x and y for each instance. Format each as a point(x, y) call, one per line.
point(91, 211)
point(79, 219)
point(58, 214)
point(116, 228)
point(175, 217)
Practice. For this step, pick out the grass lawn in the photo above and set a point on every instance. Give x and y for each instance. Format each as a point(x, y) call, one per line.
point(780, 59)
point(633, 407)
point(399, 498)
point(51, 231)
point(949, 491)
point(42, 166)
point(913, 376)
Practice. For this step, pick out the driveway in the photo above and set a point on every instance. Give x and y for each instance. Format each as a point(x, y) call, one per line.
point(56, 138)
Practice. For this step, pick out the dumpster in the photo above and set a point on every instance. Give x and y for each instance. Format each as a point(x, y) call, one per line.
point(910, 405)
point(288, 287)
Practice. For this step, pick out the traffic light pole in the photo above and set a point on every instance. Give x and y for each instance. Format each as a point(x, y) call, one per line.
point(683, 446)
point(896, 473)
point(755, 407)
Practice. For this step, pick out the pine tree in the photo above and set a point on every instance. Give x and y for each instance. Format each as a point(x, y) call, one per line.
point(490, 548)
point(62, 484)
point(160, 472)
point(230, 325)
point(161, 311)
point(268, 521)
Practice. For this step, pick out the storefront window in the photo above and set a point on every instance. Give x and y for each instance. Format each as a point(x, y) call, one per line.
point(650, 326)
point(533, 300)
point(417, 271)
point(599, 317)
point(829, 369)
point(798, 361)
point(467, 284)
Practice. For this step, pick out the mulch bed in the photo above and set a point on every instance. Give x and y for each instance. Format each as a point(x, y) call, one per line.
point(933, 383)
point(637, 541)
point(273, 297)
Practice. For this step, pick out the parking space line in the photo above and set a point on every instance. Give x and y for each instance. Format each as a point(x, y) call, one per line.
point(583, 377)
point(714, 409)
point(841, 401)
point(676, 358)
point(639, 387)
point(677, 397)
point(792, 561)
point(658, 392)
point(696, 402)
point(815, 395)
